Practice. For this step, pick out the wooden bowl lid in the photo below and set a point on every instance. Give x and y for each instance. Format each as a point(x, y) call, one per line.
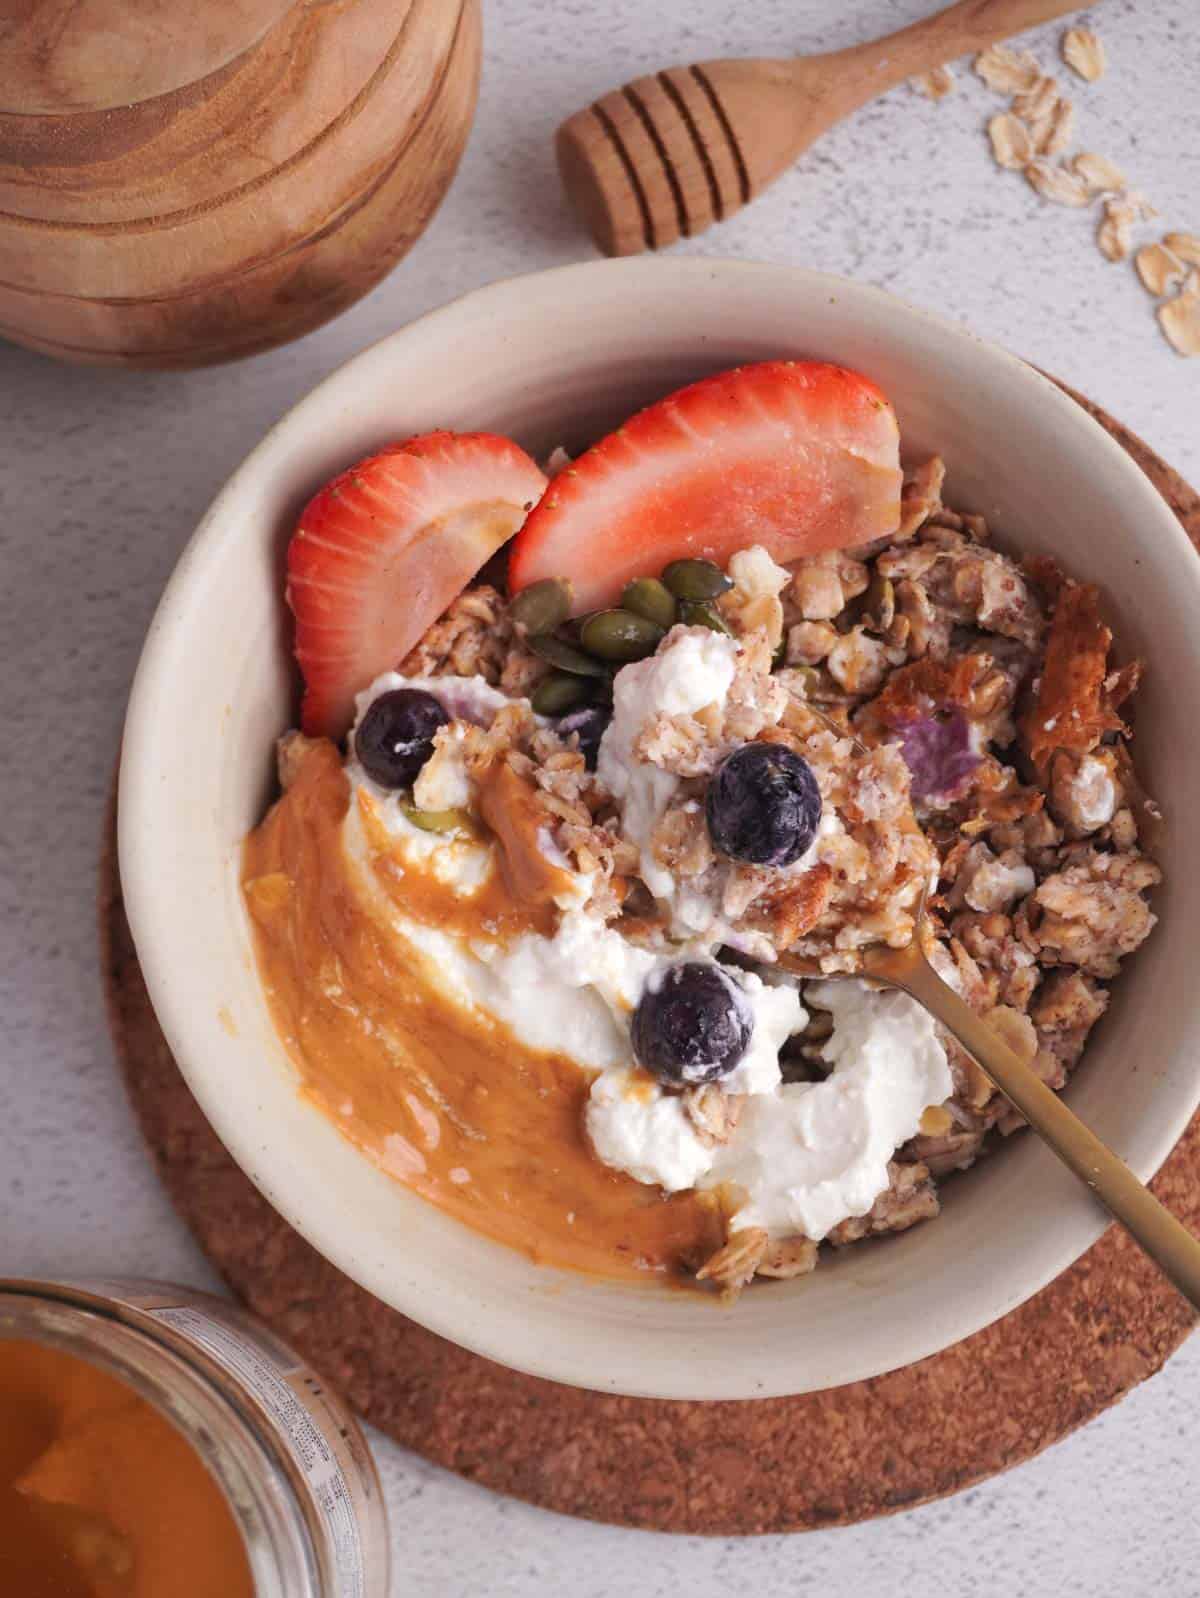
point(64, 56)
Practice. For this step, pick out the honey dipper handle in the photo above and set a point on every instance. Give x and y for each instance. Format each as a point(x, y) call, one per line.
point(970, 25)
point(1165, 1239)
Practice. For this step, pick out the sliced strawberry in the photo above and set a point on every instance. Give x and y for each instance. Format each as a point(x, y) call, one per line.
point(381, 551)
point(794, 455)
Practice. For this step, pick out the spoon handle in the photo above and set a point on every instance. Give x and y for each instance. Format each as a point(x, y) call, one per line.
point(968, 26)
point(1169, 1244)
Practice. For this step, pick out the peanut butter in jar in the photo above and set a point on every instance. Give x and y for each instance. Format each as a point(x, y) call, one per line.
point(159, 1443)
point(100, 1496)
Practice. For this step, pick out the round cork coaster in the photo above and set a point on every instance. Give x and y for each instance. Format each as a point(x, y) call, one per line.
point(791, 1464)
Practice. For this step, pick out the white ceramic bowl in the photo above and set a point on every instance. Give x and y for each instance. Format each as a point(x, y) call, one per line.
point(557, 358)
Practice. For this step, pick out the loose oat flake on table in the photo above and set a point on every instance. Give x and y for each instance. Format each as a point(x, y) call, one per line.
point(1057, 183)
point(1122, 213)
point(504, 928)
point(1059, 129)
point(1036, 106)
point(1005, 70)
point(1098, 172)
point(1083, 52)
point(1185, 245)
point(1012, 142)
point(1159, 268)
point(1180, 317)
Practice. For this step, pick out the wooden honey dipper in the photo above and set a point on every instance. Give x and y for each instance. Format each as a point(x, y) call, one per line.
point(669, 155)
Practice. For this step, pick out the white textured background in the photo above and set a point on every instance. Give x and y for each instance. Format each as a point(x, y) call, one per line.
point(104, 475)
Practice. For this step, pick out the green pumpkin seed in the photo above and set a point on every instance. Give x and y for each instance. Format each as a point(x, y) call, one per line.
point(879, 604)
point(696, 579)
point(565, 656)
point(808, 679)
point(646, 596)
point(559, 692)
point(699, 613)
point(439, 820)
point(603, 695)
point(620, 635)
point(543, 606)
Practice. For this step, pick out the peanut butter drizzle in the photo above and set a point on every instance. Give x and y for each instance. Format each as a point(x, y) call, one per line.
point(100, 1496)
point(493, 912)
point(509, 806)
point(448, 1101)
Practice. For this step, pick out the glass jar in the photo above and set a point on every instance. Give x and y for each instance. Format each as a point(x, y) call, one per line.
point(288, 1455)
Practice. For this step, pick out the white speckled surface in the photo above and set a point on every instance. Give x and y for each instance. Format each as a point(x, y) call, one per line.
point(102, 478)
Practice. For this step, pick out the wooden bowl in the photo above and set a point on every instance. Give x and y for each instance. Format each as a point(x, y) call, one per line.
point(185, 185)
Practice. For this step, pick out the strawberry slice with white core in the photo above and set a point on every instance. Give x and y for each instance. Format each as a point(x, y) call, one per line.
point(381, 551)
point(797, 456)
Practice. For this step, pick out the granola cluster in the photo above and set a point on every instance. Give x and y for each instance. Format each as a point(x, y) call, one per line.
point(871, 860)
point(960, 714)
point(475, 638)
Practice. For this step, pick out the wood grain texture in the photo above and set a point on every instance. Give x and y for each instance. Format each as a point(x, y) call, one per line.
point(87, 55)
point(238, 212)
point(668, 155)
point(822, 1459)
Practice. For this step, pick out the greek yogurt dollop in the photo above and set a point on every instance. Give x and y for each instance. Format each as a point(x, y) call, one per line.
point(694, 670)
point(815, 1153)
point(808, 1154)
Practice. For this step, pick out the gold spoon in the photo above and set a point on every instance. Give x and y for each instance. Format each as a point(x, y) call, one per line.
point(1166, 1240)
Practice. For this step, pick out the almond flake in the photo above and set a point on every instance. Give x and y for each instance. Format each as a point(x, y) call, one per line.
point(1159, 270)
point(1012, 147)
point(1083, 53)
point(1060, 129)
point(935, 85)
point(1098, 172)
point(1185, 245)
point(1180, 318)
point(1057, 183)
point(1037, 104)
point(1006, 71)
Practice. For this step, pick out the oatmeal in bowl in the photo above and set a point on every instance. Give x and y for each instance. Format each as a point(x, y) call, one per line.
point(390, 1190)
point(733, 688)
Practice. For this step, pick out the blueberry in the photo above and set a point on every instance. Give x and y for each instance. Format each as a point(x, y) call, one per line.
point(692, 1026)
point(395, 737)
point(588, 723)
point(763, 805)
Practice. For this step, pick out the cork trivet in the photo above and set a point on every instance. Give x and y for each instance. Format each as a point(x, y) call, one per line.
point(793, 1464)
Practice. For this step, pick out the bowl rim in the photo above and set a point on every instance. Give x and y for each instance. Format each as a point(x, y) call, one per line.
point(137, 800)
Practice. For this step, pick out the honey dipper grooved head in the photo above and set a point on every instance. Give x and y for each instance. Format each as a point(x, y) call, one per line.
point(654, 161)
